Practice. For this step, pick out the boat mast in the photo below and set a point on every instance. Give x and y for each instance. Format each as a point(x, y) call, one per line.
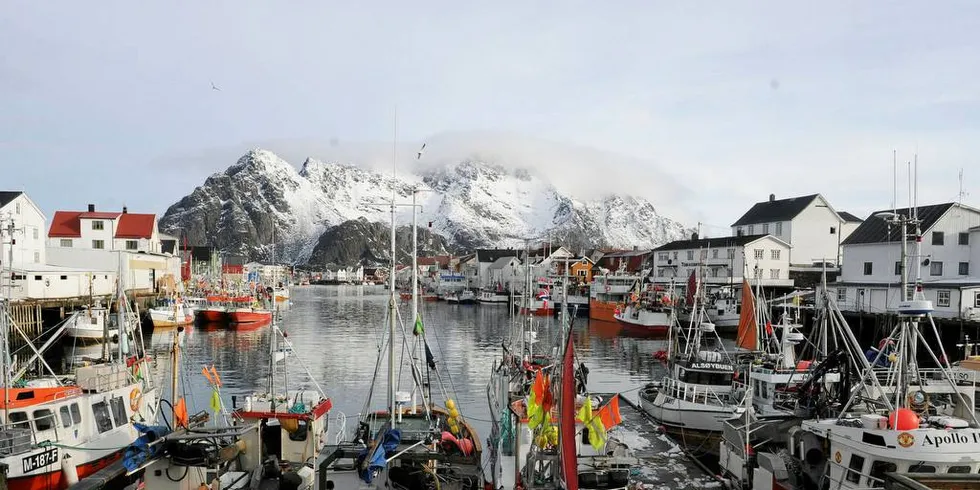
point(392, 309)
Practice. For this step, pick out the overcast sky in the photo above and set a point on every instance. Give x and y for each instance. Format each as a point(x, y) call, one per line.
point(112, 102)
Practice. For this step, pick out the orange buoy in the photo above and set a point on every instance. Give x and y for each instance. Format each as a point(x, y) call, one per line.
point(903, 419)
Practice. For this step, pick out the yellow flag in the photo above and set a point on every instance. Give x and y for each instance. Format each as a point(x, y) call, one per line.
point(597, 432)
point(215, 401)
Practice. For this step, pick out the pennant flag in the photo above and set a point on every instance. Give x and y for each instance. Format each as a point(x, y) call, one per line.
point(597, 433)
point(215, 401)
point(419, 329)
point(609, 413)
point(429, 358)
point(217, 379)
point(207, 374)
point(180, 413)
point(535, 413)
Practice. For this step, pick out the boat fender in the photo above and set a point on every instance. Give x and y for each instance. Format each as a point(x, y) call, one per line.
point(135, 399)
point(607, 288)
point(69, 470)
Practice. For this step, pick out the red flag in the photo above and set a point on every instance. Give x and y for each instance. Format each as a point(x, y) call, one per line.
point(609, 413)
point(692, 286)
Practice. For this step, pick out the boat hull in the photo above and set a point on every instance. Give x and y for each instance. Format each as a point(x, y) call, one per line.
point(697, 426)
point(211, 315)
point(603, 310)
point(56, 479)
point(652, 321)
point(90, 334)
point(167, 318)
point(250, 317)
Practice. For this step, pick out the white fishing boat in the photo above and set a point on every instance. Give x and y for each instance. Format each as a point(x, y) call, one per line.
point(60, 428)
point(91, 324)
point(170, 315)
point(492, 297)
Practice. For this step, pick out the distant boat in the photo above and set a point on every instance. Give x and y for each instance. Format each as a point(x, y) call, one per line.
point(89, 325)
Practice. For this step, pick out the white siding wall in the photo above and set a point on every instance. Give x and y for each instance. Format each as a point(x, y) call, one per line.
point(68, 284)
point(88, 234)
point(684, 265)
point(884, 299)
point(975, 253)
point(139, 270)
point(884, 255)
point(811, 237)
point(30, 232)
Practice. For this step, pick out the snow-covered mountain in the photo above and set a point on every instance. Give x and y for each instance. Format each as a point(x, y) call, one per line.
point(472, 202)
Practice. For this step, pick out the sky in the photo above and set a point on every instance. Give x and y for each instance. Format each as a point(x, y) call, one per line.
point(708, 106)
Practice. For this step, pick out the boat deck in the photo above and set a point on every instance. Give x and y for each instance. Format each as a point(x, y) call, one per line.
point(665, 464)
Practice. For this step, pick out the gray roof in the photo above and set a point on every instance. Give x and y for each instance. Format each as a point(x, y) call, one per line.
point(501, 262)
point(492, 254)
point(775, 210)
point(727, 241)
point(7, 196)
point(848, 217)
point(877, 230)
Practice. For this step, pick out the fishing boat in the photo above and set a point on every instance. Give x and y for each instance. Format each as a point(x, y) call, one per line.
point(170, 313)
point(609, 293)
point(900, 416)
point(247, 315)
point(91, 324)
point(650, 310)
point(215, 311)
point(493, 296)
point(698, 393)
point(60, 428)
point(464, 297)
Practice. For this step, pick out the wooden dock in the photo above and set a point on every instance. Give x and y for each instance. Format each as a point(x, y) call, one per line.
point(665, 464)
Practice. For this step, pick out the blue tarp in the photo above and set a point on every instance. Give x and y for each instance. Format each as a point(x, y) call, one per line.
point(139, 451)
point(389, 442)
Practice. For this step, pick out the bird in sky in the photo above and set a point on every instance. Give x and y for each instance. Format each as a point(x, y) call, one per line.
point(420, 152)
point(215, 88)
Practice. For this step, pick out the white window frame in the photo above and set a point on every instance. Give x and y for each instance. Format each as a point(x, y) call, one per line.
point(759, 253)
point(774, 254)
point(779, 228)
point(943, 297)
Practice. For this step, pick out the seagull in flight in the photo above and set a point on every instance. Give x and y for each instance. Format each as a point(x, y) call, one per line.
point(215, 88)
point(420, 152)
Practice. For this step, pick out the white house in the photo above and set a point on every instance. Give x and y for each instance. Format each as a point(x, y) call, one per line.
point(808, 223)
point(947, 264)
point(22, 227)
point(486, 258)
point(505, 273)
point(764, 257)
point(112, 241)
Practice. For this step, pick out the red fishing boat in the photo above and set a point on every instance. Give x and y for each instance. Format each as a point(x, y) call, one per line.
point(249, 315)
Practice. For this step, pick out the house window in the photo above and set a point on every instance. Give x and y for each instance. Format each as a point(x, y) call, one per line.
point(964, 268)
point(17, 208)
point(64, 278)
point(66, 243)
point(942, 298)
point(664, 256)
point(841, 294)
point(774, 253)
point(964, 239)
point(38, 278)
point(35, 233)
point(714, 253)
point(690, 255)
point(976, 301)
point(751, 229)
point(714, 272)
point(37, 257)
point(730, 273)
point(660, 273)
point(731, 253)
point(867, 268)
point(833, 230)
point(132, 244)
point(938, 238)
point(98, 244)
point(779, 229)
point(936, 269)
point(759, 253)
point(675, 255)
point(98, 225)
point(757, 273)
point(765, 229)
point(898, 267)
point(773, 273)
point(741, 231)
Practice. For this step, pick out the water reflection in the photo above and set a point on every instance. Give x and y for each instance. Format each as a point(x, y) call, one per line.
point(335, 332)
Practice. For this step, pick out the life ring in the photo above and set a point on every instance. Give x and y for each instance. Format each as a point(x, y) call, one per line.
point(135, 399)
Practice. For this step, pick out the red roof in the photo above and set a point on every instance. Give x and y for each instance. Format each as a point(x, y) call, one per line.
point(68, 224)
point(65, 224)
point(133, 225)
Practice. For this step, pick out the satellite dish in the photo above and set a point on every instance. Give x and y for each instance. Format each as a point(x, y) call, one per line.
point(926, 262)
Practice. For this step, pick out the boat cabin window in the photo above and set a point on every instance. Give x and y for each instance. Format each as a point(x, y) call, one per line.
point(959, 469)
point(854, 468)
point(922, 468)
point(65, 417)
point(44, 419)
point(118, 411)
point(76, 414)
point(19, 420)
point(878, 470)
point(102, 420)
point(706, 377)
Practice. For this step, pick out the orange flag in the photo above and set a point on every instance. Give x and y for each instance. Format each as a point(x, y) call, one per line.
point(609, 413)
point(180, 413)
point(217, 379)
